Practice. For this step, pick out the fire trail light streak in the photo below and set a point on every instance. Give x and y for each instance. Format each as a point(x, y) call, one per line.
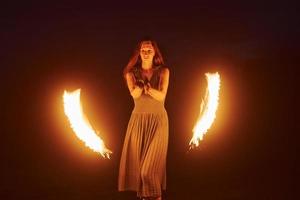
point(80, 124)
point(208, 109)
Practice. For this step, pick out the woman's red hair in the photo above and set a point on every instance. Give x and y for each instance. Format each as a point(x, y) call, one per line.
point(135, 60)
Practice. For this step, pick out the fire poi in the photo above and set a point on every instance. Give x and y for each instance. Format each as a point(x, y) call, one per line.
point(85, 132)
point(208, 108)
point(81, 125)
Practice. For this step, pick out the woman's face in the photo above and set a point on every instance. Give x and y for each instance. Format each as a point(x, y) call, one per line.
point(147, 51)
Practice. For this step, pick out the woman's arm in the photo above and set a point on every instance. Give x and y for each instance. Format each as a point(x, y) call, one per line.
point(160, 94)
point(134, 90)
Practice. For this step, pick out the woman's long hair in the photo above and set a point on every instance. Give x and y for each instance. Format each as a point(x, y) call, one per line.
point(135, 60)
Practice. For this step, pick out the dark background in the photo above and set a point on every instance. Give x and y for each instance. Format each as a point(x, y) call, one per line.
point(46, 48)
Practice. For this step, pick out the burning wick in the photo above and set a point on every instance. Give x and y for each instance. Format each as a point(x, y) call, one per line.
point(80, 124)
point(208, 109)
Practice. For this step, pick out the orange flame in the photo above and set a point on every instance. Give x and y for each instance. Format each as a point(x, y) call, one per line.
point(80, 124)
point(208, 108)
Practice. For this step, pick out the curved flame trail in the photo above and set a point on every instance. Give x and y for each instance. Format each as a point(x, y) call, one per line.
point(208, 108)
point(80, 124)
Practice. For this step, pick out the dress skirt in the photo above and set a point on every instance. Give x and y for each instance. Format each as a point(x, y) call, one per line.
point(143, 159)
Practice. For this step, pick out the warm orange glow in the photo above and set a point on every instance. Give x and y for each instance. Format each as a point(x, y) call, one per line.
point(80, 124)
point(208, 108)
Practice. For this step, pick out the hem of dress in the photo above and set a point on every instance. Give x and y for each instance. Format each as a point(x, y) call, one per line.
point(141, 194)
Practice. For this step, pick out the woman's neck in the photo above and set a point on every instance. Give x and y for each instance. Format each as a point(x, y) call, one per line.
point(146, 65)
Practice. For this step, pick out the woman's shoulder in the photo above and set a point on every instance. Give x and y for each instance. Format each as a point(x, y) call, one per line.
point(132, 71)
point(164, 69)
point(130, 74)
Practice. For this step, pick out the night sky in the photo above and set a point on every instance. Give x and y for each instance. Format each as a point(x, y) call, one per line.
point(46, 48)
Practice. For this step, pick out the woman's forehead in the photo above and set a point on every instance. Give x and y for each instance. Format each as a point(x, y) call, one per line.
point(147, 45)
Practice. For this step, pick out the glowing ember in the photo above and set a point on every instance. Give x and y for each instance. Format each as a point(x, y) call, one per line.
point(80, 124)
point(208, 108)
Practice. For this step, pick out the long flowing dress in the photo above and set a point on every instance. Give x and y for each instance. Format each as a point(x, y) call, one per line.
point(143, 159)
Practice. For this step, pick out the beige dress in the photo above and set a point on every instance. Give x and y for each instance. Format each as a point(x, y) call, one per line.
point(143, 159)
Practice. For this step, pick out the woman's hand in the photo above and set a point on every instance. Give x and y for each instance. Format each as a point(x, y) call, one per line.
point(159, 94)
point(138, 89)
point(139, 83)
point(147, 87)
point(135, 90)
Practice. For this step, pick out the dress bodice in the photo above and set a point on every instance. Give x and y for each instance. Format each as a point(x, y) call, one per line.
point(154, 80)
point(145, 103)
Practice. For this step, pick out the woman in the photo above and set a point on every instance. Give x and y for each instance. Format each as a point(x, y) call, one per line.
point(143, 159)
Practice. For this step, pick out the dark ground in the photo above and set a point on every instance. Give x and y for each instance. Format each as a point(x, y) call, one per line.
point(249, 153)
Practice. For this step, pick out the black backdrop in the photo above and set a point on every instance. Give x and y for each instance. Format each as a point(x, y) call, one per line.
point(48, 47)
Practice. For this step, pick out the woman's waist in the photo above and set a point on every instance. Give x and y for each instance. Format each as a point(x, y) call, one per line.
point(140, 109)
point(148, 105)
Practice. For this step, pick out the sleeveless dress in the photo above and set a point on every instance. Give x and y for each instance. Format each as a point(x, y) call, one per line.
point(143, 159)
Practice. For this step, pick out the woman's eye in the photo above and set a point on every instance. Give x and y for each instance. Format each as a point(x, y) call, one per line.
point(146, 51)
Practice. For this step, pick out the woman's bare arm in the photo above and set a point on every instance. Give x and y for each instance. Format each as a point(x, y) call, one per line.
point(160, 94)
point(134, 90)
